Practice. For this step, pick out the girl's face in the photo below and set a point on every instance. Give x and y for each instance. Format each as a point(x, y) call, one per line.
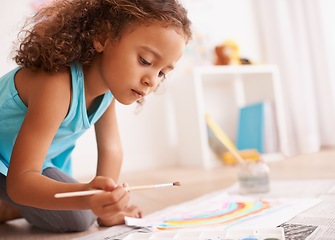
point(134, 66)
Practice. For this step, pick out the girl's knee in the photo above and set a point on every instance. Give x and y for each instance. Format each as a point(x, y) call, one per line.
point(79, 221)
point(61, 221)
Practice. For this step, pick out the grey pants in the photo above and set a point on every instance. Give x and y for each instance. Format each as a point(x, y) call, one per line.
point(52, 220)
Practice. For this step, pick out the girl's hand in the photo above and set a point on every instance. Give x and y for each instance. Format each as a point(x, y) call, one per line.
point(107, 204)
point(131, 211)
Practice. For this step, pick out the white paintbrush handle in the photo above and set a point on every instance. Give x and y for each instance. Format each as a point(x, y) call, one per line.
point(91, 192)
point(149, 186)
point(78, 194)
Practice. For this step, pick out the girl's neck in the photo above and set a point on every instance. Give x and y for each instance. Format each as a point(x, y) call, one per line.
point(94, 87)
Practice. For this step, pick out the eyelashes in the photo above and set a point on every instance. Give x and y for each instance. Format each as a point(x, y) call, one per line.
point(161, 74)
point(145, 62)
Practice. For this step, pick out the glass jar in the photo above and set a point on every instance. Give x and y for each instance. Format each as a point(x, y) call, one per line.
point(254, 177)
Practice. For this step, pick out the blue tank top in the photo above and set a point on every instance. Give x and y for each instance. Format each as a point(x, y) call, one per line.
point(13, 111)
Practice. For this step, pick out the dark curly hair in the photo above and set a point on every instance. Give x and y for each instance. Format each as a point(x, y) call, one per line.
point(63, 33)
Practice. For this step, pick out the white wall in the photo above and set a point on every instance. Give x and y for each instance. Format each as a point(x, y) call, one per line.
point(150, 138)
point(12, 16)
point(219, 20)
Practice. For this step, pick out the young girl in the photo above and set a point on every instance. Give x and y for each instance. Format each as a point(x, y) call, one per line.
point(78, 58)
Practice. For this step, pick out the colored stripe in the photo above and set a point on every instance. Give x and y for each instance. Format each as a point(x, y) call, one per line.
point(232, 212)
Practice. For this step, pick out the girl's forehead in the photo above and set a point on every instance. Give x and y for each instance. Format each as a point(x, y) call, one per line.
point(152, 27)
point(166, 42)
point(156, 34)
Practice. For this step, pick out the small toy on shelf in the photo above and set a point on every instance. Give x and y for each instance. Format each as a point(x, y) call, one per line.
point(228, 54)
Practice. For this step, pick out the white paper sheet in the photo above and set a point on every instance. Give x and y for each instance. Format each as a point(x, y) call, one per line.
point(302, 194)
point(322, 216)
point(116, 232)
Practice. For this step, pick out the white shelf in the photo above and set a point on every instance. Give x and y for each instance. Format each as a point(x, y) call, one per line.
point(221, 91)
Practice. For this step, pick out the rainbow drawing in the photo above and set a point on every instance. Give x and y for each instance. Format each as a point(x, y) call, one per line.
point(229, 213)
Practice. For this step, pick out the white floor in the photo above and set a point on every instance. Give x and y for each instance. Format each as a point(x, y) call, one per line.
point(195, 182)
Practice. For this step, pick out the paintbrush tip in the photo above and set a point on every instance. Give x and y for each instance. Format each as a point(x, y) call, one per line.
point(176, 184)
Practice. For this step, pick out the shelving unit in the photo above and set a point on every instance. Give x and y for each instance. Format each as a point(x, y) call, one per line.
point(221, 91)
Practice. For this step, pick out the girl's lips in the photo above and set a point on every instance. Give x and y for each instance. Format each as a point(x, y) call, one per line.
point(138, 94)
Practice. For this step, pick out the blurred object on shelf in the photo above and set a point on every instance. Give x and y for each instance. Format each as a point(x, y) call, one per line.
point(224, 148)
point(228, 54)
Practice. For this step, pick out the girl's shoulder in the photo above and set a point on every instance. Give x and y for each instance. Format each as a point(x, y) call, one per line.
point(43, 86)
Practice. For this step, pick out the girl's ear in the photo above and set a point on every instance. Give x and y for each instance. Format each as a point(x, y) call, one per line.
point(98, 46)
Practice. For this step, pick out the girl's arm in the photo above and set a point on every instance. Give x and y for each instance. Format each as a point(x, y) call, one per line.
point(48, 99)
point(109, 144)
point(110, 160)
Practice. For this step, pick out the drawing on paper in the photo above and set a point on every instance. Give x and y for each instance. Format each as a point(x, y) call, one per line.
point(229, 213)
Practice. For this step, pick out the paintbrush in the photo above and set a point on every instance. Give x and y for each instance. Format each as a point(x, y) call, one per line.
point(224, 139)
point(135, 188)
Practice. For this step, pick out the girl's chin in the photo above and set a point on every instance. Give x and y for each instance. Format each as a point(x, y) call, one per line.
point(126, 101)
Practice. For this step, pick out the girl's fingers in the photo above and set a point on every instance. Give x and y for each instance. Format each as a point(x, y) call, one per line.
point(134, 211)
point(140, 213)
point(118, 218)
point(120, 205)
point(110, 202)
point(108, 198)
point(102, 183)
point(112, 220)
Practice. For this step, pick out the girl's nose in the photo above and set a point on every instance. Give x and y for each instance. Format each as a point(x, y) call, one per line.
point(150, 80)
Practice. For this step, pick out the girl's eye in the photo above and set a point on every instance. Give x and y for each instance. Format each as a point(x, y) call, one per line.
point(144, 61)
point(161, 74)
